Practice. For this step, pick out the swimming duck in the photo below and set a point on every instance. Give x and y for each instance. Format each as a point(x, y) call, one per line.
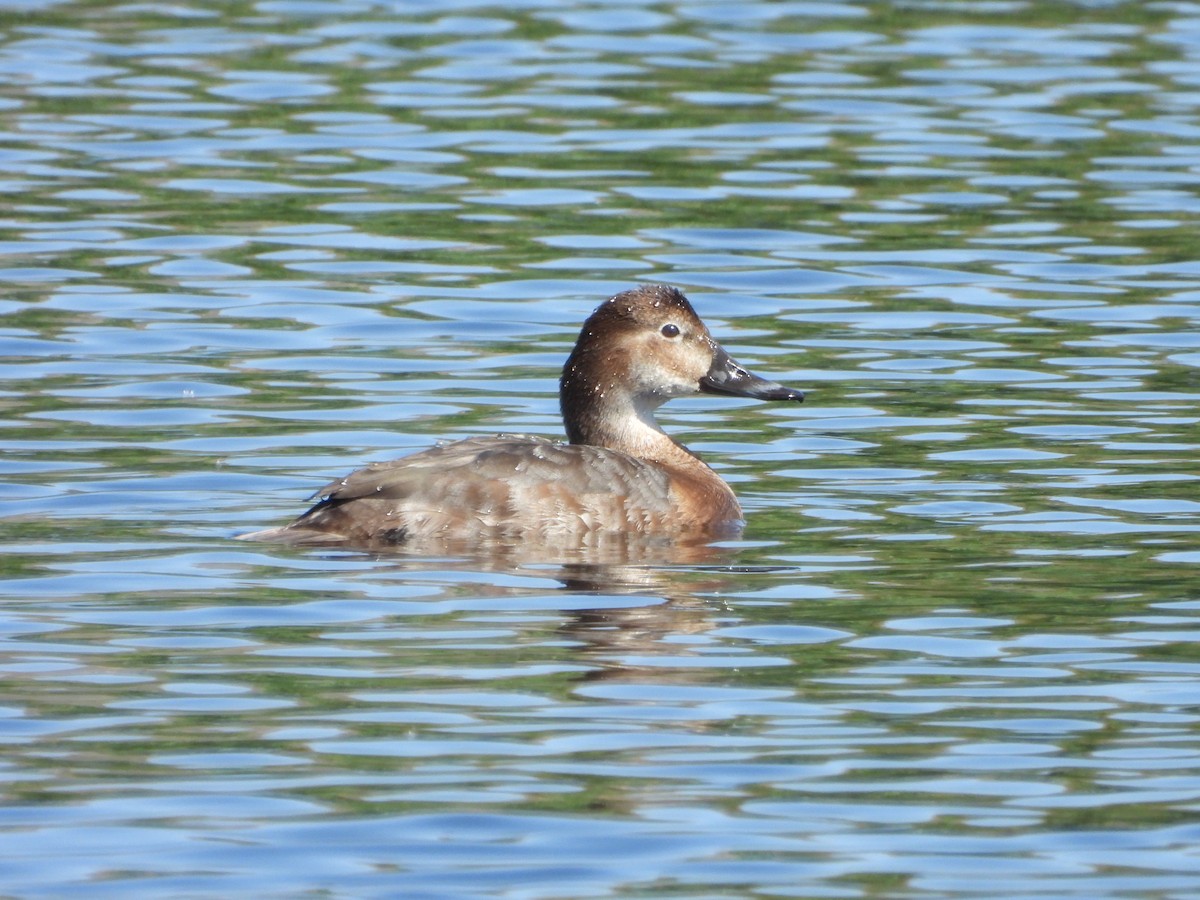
point(618, 473)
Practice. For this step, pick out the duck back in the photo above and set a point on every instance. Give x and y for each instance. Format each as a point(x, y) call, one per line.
point(505, 487)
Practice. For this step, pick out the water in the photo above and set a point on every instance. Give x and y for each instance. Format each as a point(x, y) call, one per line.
point(248, 247)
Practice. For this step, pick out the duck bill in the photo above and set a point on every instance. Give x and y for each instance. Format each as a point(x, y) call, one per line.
point(727, 377)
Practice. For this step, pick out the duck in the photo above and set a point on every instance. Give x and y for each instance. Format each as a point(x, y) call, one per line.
point(617, 474)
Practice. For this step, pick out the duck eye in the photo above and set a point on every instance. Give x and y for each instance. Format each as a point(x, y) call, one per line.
point(670, 330)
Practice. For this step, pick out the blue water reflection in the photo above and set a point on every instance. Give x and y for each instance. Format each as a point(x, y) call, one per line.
point(250, 248)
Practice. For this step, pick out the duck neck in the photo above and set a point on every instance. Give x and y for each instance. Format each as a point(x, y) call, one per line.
point(610, 417)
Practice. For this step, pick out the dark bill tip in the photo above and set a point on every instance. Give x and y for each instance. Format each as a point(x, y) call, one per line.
point(727, 377)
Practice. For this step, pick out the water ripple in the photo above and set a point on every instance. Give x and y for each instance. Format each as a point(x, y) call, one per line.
point(249, 249)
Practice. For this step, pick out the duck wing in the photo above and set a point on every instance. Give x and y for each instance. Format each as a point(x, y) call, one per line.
point(506, 486)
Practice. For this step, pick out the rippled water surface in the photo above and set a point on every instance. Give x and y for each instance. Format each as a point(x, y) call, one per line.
point(249, 246)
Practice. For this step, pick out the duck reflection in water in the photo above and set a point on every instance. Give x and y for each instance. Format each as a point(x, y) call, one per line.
point(619, 488)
